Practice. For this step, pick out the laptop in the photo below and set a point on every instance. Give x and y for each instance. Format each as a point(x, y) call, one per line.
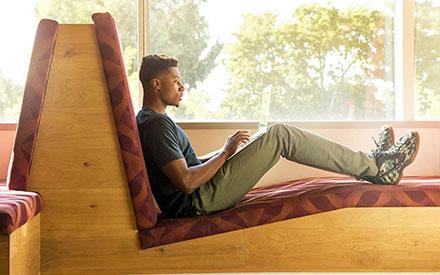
point(262, 121)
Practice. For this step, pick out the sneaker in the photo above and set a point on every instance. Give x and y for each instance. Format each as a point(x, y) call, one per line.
point(392, 161)
point(386, 140)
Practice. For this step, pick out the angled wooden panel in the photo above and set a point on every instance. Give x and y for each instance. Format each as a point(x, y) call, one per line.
point(77, 167)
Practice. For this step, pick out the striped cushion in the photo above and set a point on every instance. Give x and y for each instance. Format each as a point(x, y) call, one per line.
point(296, 199)
point(16, 208)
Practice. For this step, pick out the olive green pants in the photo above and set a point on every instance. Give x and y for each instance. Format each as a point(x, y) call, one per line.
point(240, 173)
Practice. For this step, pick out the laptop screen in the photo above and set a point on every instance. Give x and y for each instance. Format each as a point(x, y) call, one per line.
point(265, 108)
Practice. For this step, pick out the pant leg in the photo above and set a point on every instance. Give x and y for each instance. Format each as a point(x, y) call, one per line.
point(239, 174)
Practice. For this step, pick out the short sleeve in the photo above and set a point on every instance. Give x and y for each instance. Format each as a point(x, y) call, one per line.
point(161, 141)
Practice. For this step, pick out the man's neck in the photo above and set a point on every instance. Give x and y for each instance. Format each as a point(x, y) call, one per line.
point(158, 108)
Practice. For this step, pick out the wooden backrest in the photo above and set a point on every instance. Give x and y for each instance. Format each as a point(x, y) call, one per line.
point(77, 166)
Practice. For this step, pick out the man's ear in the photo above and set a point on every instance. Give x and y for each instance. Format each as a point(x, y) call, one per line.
point(155, 83)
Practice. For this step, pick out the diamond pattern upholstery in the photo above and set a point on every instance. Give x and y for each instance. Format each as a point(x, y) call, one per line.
point(295, 199)
point(33, 97)
point(128, 135)
point(16, 208)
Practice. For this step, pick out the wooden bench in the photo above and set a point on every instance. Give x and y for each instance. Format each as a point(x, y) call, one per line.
point(99, 211)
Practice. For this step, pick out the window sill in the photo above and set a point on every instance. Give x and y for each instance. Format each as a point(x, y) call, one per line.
point(8, 126)
point(313, 124)
point(300, 124)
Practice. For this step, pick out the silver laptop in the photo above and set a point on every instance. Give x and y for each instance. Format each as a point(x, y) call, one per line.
point(262, 121)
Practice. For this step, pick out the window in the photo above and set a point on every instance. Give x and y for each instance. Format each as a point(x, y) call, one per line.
point(318, 60)
point(305, 60)
point(427, 59)
point(15, 54)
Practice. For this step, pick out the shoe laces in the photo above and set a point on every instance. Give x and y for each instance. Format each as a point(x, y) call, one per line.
point(393, 152)
point(375, 142)
point(378, 151)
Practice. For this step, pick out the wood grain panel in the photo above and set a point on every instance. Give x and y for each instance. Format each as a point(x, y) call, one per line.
point(25, 248)
point(4, 254)
point(77, 167)
point(121, 254)
point(353, 239)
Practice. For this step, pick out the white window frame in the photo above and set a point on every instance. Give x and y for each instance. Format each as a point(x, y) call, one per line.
point(404, 69)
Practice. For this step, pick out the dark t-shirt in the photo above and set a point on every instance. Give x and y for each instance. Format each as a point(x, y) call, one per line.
point(164, 141)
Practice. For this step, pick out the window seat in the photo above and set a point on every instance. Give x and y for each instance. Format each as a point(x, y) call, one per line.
point(295, 199)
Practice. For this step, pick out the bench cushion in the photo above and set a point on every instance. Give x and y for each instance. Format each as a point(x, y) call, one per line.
point(16, 208)
point(126, 127)
point(295, 199)
point(33, 97)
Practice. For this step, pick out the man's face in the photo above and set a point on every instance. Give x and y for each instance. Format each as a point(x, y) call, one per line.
point(171, 87)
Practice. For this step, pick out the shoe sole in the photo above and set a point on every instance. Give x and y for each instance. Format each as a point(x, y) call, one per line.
point(408, 162)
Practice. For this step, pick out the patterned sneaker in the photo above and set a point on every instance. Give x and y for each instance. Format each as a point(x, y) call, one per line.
point(386, 140)
point(392, 162)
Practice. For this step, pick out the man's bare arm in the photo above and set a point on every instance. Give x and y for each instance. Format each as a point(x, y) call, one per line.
point(189, 179)
point(208, 156)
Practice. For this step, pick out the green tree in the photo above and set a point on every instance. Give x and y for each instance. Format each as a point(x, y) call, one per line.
point(319, 64)
point(178, 29)
point(10, 99)
point(427, 56)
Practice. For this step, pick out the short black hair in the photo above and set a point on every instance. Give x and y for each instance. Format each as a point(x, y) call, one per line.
point(154, 64)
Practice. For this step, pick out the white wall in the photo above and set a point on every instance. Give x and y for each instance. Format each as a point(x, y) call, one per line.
point(427, 162)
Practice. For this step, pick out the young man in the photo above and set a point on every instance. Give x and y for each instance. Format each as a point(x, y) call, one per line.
point(184, 185)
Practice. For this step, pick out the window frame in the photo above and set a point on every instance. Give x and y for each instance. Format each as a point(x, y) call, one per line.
point(404, 65)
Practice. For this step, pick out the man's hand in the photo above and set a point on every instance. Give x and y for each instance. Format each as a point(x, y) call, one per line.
point(234, 141)
point(188, 179)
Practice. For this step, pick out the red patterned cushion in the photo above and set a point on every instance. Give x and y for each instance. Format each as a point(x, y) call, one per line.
point(33, 97)
point(16, 208)
point(296, 199)
point(114, 70)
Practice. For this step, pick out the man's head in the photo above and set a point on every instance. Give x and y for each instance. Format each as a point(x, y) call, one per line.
point(160, 79)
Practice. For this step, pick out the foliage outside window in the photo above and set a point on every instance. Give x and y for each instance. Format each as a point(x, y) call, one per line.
point(70, 12)
point(427, 59)
point(323, 61)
